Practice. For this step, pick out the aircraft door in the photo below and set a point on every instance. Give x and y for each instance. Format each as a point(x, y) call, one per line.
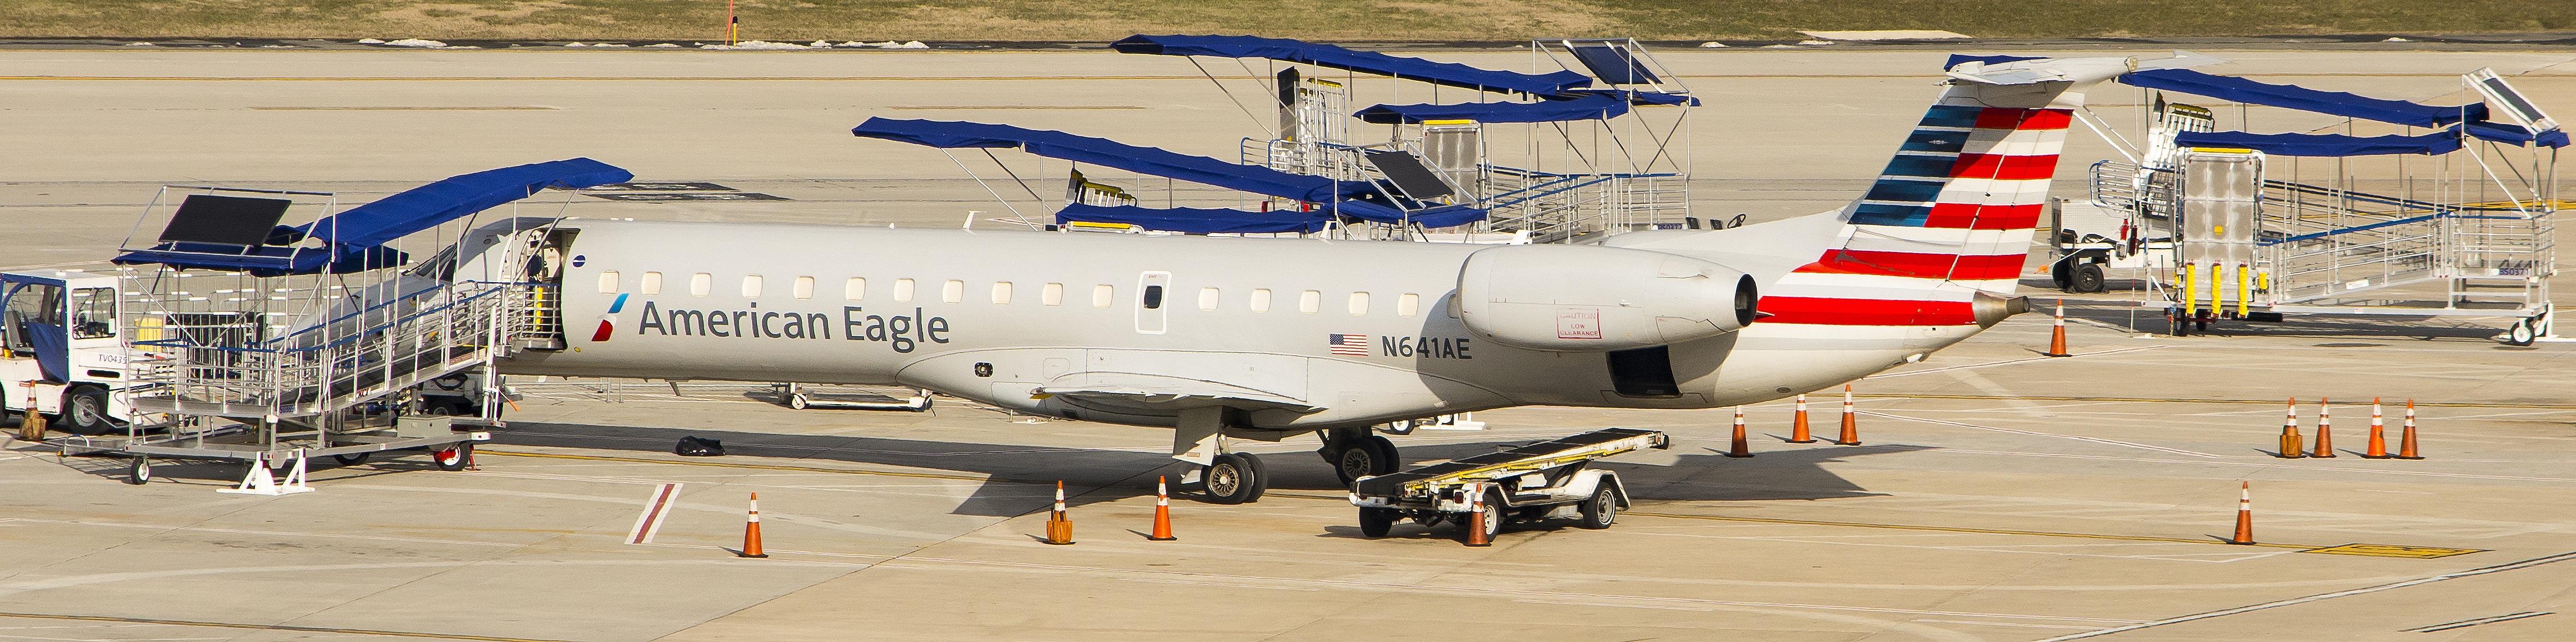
point(541, 270)
point(1153, 293)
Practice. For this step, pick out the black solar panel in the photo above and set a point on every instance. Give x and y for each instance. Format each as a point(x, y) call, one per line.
point(229, 220)
point(1613, 63)
point(1410, 176)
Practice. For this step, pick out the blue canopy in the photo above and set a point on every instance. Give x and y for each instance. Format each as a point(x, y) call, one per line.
point(2436, 143)
point(357, 235)
point(2516, 134)
point(1582, 106)
point(2301, 98)
point(1194, 220)
point(1370, 62)
point(1359, 199)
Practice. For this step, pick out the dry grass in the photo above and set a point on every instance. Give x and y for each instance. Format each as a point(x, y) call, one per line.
point(1341, 20)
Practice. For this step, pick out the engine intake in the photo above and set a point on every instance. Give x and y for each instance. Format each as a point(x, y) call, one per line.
point(1577, 298)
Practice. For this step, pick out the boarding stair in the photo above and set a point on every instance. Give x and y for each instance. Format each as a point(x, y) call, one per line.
point(217, 365)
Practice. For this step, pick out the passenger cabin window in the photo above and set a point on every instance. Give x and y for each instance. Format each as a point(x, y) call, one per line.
point(1359, 303)
point(608, 282)
point(953, 291)
point(1103, 295)
point(652, 283)
point(1208, 298)
point(1001, 293)
point(1261, 299)
point(804, 287)
point(1052, 295)
point(701, 283)
point(1408, 304)
point(93, 313)
point(751, 286)
point(1153, 297)
point(1310, 301)
point(855, 289)
point(903, 290)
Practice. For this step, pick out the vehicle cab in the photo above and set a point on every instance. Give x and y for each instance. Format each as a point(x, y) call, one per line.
point(61, 348)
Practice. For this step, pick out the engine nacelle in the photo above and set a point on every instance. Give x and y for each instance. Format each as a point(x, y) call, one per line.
point(1580, 298)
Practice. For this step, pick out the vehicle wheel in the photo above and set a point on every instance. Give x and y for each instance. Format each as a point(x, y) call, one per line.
point(2521, 333)
point(453, 459)
point(1260, 477)
point(1601, 510)
point(138, 471)
point(1376, 522)
point(1493, 522)
point(1228, 480)
point(2087, 279)
point(351, 459)
point(85, 412)
point(2060, 275)
point(797, 401)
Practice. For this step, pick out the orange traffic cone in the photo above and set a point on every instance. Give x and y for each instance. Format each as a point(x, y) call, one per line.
point(1162, 513)
point(1476, 509)
point(2244, 515)
point(1798, 431)
point(2378, 441)
point(2057, 335)
point(2325, 431)
point(32, 427)
point(2406, 439)
point(2292, 445)
point(751, 531)
point(1059, 527)
point(1851, 421)
point(1740, 449)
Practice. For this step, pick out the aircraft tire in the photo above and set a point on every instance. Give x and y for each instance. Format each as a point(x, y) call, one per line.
point(1228, 480)
point(1377, 522)
point(1384, 460)
point(1260, 477)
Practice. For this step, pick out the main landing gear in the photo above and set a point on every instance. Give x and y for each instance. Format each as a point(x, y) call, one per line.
point(1234, 478)
point(1354, 453)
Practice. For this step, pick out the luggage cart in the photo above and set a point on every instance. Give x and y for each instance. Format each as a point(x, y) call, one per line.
point(1525, 484)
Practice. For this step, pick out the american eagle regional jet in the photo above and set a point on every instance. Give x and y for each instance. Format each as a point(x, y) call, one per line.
point(1266, 339)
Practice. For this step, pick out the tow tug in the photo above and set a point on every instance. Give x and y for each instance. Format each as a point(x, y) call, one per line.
point(1527, 483)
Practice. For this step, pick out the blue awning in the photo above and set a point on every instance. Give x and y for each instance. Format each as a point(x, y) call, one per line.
point(2330, 145)
point(2301, 98)
point(2516, 134)
point(357, 235)
point(1370, 62)
point(1586, 106)
point(1193, 220)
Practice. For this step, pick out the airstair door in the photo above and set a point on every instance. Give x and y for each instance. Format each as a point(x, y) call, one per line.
point(546, 257)
point(1152, 295)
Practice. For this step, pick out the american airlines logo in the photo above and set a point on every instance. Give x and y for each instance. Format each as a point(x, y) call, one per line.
point(902, 332)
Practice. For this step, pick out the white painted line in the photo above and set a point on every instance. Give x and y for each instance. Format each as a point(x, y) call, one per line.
point(655, 510)
point(2113, 442)
point(2499, 568)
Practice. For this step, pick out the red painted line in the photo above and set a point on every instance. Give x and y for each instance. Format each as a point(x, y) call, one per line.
point(1878, 312)
point(651, 521)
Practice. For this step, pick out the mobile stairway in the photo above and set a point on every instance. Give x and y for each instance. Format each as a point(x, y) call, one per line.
point(241, 341)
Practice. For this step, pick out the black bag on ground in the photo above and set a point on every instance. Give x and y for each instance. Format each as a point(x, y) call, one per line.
point(695, 446)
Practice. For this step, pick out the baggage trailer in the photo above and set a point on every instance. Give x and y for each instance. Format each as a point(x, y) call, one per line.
point(1526, 483)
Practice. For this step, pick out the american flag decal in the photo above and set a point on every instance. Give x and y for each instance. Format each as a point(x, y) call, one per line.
point(1349, 345)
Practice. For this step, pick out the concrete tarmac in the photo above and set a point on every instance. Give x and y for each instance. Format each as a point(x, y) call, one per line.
point(1999, 495)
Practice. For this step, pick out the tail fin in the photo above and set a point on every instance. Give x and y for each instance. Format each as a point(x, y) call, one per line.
point(1952, 215)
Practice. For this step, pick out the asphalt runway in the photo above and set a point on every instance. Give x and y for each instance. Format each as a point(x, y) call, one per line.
point(1998, 495)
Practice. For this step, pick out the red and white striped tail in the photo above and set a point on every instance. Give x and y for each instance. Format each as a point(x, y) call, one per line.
point(1951, 215)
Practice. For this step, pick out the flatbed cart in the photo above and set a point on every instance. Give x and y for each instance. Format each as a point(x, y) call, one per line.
point(1526, 483)
point(449, 441)
point(804, 397)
